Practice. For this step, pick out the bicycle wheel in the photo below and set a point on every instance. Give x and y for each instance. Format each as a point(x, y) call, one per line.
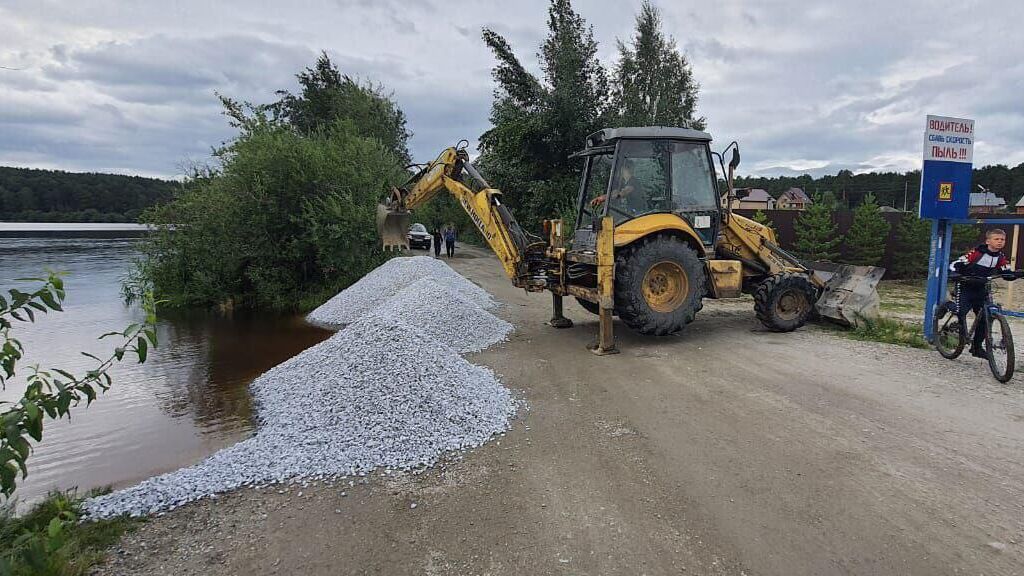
point(999, 345)
point(949, 339)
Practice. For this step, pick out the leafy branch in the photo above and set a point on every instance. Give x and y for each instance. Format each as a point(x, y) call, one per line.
point(50, 394)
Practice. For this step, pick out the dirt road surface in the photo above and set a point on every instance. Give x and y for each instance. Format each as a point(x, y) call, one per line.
point(724, 450)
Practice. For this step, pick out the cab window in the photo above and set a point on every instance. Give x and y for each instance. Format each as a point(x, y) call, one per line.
point(597, 185)
point(660, 176)
point(693, 185)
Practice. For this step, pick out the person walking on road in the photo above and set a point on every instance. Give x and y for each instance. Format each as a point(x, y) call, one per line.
point(436, 234)
point(449, 241)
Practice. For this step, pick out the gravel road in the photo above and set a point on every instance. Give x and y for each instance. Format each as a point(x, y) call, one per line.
point(724, 450)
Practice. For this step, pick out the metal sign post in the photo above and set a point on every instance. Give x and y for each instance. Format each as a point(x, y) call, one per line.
point(945, 199)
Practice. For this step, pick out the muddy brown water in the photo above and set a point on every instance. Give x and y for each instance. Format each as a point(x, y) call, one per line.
point(187, 401)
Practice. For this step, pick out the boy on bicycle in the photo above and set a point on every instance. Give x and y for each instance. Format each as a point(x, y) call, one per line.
point(983, 261)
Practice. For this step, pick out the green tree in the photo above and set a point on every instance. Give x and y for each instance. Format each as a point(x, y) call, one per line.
point(761, 218)
point(654, 85)
point(965, 237)
point(868, 234)
point(538, 123)
point(328, 96)
point(817, 236)
point(286, 221)
point(913, 245)
point(285, 218)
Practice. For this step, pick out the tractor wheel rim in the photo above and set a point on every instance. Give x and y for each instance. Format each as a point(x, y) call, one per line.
point(665, 286)
point(791, 305)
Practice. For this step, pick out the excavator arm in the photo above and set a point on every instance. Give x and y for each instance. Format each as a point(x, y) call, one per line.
point(520, 254)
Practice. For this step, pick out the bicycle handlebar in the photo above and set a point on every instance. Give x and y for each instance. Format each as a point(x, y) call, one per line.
point(957, 277)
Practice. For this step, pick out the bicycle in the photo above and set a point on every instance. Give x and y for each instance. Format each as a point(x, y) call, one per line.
point(951, 337)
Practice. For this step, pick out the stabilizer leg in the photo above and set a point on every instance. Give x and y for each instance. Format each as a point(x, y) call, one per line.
point(605, 343)
point(558, 320)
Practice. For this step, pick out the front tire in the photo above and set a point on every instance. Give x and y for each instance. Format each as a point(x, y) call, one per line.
point(659, 284)
point(1000, 349)
point(785, 301)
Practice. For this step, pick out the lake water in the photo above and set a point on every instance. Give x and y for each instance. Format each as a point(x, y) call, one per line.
point(187, 401)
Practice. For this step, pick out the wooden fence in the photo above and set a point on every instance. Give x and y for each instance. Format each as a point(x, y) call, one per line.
point(784, 222)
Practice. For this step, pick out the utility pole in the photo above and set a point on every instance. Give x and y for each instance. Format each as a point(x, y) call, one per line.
point(905, 194)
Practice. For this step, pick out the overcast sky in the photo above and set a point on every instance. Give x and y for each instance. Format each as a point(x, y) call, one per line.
point(128, 87)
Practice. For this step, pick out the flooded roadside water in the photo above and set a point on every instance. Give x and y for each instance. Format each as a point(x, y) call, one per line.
point(187, 401)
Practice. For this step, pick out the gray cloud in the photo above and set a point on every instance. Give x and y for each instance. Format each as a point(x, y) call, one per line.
point(129, 87)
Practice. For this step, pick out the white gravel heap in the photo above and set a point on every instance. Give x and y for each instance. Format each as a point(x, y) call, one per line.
point(444, 316)
point(385, 392)
point(387, 280)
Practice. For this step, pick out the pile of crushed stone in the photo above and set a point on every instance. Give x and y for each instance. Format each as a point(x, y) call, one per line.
point(444, 316)
point(387, 280)
point(371, 396)
point(390, 390)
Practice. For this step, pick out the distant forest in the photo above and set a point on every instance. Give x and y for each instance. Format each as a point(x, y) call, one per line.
point(889, 187)
point(29, 195)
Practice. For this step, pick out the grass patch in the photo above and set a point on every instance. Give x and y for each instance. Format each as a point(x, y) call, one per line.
point(49, 540)
point(901, 306)
point(889, 331)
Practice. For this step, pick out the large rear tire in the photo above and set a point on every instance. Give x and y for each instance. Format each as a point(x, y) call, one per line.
point(659, 284)
point(783, 302)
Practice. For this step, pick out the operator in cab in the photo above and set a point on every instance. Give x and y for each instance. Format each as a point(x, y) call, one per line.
point(625, 196)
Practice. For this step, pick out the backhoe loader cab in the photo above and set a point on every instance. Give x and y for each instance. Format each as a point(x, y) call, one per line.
point(631, 173)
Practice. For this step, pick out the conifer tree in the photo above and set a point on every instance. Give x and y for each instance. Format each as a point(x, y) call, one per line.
point(817, 236)
point(913, 244)
point(867, 236)
point(761, 218)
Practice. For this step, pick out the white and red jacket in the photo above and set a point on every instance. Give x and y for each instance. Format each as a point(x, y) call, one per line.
point(981, 262)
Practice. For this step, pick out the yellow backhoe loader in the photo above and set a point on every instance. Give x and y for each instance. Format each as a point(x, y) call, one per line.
point(654, 236)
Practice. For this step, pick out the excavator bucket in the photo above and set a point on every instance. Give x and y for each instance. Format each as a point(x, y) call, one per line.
point(850, 294)
point(393, 227)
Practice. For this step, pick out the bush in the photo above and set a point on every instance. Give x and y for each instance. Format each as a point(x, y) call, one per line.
point(49, 539)
point(286, 219)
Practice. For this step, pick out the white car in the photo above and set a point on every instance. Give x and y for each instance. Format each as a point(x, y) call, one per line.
point(419, 237)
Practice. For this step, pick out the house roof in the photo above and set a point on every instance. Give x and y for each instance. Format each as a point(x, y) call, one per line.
point(795, 195)
point(986, 199)
point(757, 195)
point(1020, 202)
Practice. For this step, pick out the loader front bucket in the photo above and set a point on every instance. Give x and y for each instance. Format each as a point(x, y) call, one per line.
point(850, 293)
point(393, 227)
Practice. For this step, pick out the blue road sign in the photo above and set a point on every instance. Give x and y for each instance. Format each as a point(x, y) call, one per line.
point(946, 173)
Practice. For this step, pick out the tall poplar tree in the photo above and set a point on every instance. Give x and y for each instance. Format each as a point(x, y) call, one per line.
point(538, 123)
point(653, 83)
